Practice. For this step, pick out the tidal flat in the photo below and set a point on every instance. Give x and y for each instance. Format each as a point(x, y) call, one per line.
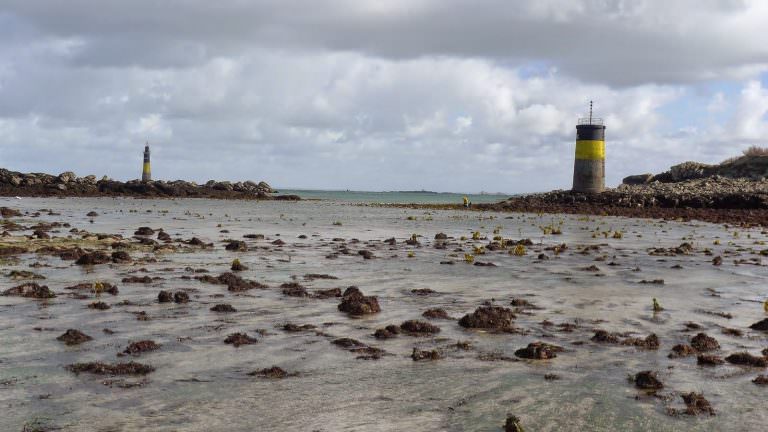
point(205, 315)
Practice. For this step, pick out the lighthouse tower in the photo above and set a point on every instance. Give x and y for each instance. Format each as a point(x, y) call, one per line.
point(146, 172)
point(589, 166)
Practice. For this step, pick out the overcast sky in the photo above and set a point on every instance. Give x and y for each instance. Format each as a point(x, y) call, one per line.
point(445, 95)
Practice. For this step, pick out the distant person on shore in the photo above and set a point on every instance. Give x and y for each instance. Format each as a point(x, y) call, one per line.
point(467, 203)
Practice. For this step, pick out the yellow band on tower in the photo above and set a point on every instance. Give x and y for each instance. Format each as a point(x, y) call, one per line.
point(590, 150)
point(146, 167)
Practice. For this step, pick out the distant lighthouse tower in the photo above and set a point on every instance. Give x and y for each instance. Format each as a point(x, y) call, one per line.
point(589, 166)
point(146, 172)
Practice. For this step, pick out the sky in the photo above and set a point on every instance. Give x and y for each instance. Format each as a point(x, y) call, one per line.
point(442, 95)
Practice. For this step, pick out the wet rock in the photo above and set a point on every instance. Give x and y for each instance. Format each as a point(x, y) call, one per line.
point(163, 236)
point(602, 336)
point(30, 290)
point(415, 327)
point(436, 313)
point(647, 380)
point(709, 360)
point(120, 257)
point(314, 276)
point(12, 250)
point(682, 350)
point(489, 317)
point(140, 347)
point(354, 302)
point(696, 404)
point(223, 308)
point(441, 236)
point(365, 254)
point(41, 234)
point(99, 368)
point(423, 291)
point(238, 266)
point(539, 351)
point(164, 296)
point(180, 297)
point(293, 328)
point(91, 214)
point(747, 359)
point(761, 380)
point(761, 325)
point(484, 264)
point(95, 287)
point(237, 284)
point(387, 332)
point(137, 279)
point(236, 246)
point(94, 258)
point(651, 342)
point(732, 332)
point(703, 343)
point(74, 337)
point(513, 424)
point(9, 212)
point(144, 231)
point(23, 274)
point(391, 241)
point(718, 260)
point(293, 289)
point(273, 372)
point(426, 355)
point(328, 293)
point(238, 339)
point(99, 306)
point(254, 236)
point(348, 343)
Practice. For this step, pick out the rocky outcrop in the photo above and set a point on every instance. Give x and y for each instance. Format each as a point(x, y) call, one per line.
point(68, 184)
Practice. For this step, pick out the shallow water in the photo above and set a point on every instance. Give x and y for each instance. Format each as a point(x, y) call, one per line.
point(200, 383)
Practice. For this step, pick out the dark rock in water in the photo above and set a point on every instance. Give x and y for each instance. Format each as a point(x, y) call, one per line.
point(140, 347)
point(238, 266)
point(716, 261)
point(522, 303)
point(387, 332)
point(682, 350)
point(489, 317)
point(30, 290)
point(354, 302)
point(94, 258)
point(91, 214)
point(9, 212)
point(119, 257)
point(651, 342)
point(602, 336)
point(99, 306)
point(761, 325)
point(293, 328)
point(99, 368)
point(703, 342)
point(328, 293)
point(484, 264)
point(238, 339)
point(224, 308)
point(294, 289)
point(278, 242)
point(12, 250)
point(163, 236)
point(236, 245)
point(732, 332)
point(236, 284)
point(747, 359)
point(41, 234)
point(415, 327)
point(164, 297)
point(512, 424)
point(137, 279)
point(273, 372)
point(180, 297)
point(436, 313)
point(423, 291)
point(144, 231)
point(761, 380)
point(441, 236)
point(313, 276)
point(391, 241)
point(696, 404)
point(74, 337)
point(348, 343)
point(426, 355)
point(254, 236)
point(539, 351)
point(647, 380)
point(709, 360)
point(365, 254)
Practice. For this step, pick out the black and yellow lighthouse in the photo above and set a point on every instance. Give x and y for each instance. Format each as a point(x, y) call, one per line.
point(146, 171)
point(589, 166)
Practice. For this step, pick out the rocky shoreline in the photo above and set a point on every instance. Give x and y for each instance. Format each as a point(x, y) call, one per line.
point(67, 184)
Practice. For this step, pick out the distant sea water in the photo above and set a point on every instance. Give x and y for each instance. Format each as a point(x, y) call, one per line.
point(395, 197)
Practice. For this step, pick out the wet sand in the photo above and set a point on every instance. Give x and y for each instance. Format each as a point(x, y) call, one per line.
point(327, 371)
